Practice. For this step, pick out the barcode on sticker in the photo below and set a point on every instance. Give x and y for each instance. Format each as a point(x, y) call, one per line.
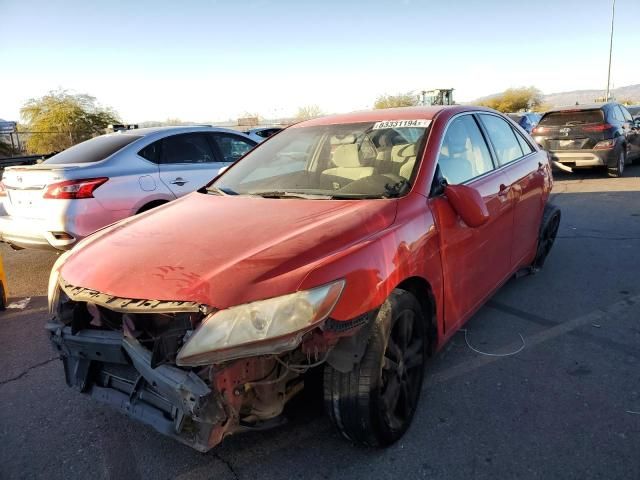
point(422, 123)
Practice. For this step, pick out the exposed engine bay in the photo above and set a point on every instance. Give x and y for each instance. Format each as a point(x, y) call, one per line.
point(123, 352)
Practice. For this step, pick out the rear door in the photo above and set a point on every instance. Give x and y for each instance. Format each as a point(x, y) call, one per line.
point(188, 162)
point(475, 261)
point(527, 171)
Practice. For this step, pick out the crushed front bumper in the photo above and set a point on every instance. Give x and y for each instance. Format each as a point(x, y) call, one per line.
point(115, 369)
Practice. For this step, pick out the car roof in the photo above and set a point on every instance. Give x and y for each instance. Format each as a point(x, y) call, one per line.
point(586, 106)
point(142, 132)
point(403, 113)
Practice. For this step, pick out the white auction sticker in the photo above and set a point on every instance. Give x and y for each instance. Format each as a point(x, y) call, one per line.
point(420, 123)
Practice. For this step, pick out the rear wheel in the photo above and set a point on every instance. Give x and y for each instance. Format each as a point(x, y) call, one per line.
point(374, 403)
point(547, 236)
point(618, 169)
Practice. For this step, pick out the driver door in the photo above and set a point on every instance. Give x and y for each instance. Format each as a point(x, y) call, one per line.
point(475, 261)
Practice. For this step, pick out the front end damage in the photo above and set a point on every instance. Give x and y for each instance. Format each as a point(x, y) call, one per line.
point(123, 352)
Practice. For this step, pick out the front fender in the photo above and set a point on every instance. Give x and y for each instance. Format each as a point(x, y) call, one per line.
point(373, 268)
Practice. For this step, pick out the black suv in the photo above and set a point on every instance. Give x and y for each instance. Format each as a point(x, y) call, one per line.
point(590, 136)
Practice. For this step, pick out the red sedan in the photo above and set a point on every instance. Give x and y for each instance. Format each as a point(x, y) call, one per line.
point(355, 243)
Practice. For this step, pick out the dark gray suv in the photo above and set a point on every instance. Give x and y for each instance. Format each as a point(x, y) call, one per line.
point(600, 135)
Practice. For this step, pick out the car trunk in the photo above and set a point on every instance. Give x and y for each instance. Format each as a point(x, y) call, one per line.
point(572, 130)
point(25, 187)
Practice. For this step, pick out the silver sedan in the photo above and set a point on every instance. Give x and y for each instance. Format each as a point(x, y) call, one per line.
point(55, 204)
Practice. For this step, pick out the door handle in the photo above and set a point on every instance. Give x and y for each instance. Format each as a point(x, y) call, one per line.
point(179, 181)
point(504, 190)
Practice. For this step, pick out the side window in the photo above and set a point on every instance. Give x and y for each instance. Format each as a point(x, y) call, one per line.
point(232, 147)
point(503, 139)
point(151, 152)
point(186, 148)
point(464, 153)
point(524, 145)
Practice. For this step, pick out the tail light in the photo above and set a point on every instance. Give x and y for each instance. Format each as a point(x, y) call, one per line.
point(74, 189)
point(597, 128)
point(538, 130)
point(604, 145)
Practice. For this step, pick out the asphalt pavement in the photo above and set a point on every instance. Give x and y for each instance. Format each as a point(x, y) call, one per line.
point(567, 405)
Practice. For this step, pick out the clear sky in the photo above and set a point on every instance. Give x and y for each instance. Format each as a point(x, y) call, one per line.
point(215, 60)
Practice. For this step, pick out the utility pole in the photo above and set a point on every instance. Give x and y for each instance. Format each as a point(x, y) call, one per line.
point(613, 15)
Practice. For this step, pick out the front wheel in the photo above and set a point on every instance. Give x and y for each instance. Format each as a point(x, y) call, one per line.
point(547, 236)
point(374, 403)
point(617, 170)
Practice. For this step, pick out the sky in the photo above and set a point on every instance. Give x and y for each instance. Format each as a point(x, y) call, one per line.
point(217, 60)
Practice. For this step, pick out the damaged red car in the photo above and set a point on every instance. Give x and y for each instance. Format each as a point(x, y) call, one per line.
point(357, 244)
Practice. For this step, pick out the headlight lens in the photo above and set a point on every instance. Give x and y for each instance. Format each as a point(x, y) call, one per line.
point(267, 326)
point(53, 292)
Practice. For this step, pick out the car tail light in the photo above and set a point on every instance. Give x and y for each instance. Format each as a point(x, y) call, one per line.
point(604, 145)
point(597, 128)
point(74, 189)
point(538, 130)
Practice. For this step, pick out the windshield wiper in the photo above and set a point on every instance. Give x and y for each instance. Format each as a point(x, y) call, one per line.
point(221, 191)
point(286, 194)
point(395, 190)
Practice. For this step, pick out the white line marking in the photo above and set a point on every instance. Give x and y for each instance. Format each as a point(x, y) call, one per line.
point(21, 304)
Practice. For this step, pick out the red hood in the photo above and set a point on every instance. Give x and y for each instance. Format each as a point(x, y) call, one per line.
point(222, 250)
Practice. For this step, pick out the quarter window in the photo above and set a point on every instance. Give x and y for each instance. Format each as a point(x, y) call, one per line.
point(464, 154)
point(503, 138)
point(232, 146)
point(186, 148)
point(151, 152)
point(524, 145)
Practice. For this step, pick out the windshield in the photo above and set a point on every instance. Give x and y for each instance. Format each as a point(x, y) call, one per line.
point(361, 160)
point(93, 150)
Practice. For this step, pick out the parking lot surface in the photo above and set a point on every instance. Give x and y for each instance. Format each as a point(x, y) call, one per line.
point(566, 406)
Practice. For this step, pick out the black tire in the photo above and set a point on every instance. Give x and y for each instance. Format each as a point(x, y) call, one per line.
point(547, 235)
point(3, 299)
point(150, 206)
point(617, 170)
point(375, 402)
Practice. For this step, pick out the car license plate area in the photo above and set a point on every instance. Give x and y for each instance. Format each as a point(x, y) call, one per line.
point(25, 203)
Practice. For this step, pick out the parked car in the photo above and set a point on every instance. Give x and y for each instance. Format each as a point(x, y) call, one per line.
point(600, 135)
point(527, 120)
point(54, 204)
point(634, 110)
point(4, 294)
point(355, 243)
point(261, 134)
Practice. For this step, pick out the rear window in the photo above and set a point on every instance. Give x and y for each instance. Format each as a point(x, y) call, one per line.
point(93, 150)
point(572, 117)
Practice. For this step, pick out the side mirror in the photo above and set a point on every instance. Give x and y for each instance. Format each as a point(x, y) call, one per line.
point(468, 203)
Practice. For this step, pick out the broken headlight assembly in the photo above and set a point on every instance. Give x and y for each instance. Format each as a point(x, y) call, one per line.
point(264, 327)
point(53, 291)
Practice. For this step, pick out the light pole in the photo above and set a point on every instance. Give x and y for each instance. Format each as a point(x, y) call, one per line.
point(613, 15)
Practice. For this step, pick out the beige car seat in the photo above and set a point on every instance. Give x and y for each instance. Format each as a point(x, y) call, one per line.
point(347, 163)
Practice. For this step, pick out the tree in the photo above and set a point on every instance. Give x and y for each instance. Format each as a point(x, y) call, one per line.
point(60, 119)
point(308, 111)
point(515, 100)
point(399, 100)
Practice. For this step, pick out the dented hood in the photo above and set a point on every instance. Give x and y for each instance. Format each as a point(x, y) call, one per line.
point(222, 250)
